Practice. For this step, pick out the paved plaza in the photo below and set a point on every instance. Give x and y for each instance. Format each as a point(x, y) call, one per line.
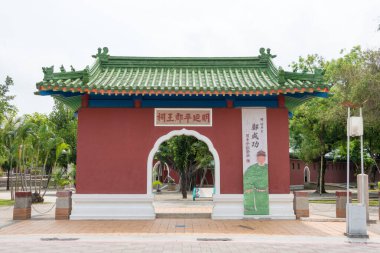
point(43, 234)
point(182, 235)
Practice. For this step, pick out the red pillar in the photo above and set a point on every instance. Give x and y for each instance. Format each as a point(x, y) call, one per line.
point(85, 98)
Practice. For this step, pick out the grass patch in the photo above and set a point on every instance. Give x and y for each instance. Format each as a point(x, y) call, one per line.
point(372, 202)
point(6, 202)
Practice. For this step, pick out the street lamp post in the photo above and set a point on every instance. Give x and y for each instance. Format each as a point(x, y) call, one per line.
point(356, 218)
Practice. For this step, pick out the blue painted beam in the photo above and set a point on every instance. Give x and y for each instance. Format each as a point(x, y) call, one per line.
point(256, 103)
point(303, 95)
point(182, 103)
point(182, 97)
point(61, 93)
point(110, 103)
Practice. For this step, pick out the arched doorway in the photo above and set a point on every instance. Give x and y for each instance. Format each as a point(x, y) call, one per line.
point(306, 174)
point(188, 133)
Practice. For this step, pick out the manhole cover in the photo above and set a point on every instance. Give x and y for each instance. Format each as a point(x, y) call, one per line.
point(214, 239)
point(59, 239)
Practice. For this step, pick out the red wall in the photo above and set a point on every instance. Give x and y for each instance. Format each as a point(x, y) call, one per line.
point(335, 172)
point(114, 144)
point(278, 150)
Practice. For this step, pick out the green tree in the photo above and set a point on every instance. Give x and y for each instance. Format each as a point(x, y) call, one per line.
point(9, 145)
point(319, 126)
point(313, 128)
point(357, 78)
point(203, 159)
point(65, 126)
point(314, 133)
point(5, 99)
point(186, 155)
point(7, 111)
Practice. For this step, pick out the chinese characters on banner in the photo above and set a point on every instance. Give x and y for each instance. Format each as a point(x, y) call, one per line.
point(255, 162)
point(182, 117)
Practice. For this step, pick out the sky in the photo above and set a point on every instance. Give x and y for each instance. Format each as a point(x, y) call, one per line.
point(36, 34)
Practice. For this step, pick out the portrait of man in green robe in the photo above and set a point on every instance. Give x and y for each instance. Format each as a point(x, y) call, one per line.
point(256, 195)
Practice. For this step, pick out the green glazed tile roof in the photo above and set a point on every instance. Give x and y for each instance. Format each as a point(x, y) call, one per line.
point(164, 75)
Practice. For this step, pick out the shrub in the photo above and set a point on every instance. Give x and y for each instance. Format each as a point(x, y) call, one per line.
point(37, 198)
point(60, 179)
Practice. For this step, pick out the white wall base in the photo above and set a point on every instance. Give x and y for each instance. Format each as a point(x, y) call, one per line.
point(230, 206)
point(227, 206)
point(112, 207)
point(140, 207)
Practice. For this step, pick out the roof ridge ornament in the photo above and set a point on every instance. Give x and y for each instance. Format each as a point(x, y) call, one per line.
point(48, 72)
point(281, 75)
point(103, 56)
point(264, 56)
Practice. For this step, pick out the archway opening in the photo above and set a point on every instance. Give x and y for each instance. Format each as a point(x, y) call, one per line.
point(183, 174)
point(181, 164)
point(306, 175)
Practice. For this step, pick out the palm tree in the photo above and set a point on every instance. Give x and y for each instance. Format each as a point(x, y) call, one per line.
point(61, 177)
point(48, 141)
point(24, 136)
point(9, 144)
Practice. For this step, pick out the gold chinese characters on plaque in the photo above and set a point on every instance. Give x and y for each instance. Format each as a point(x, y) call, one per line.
point(182, 117)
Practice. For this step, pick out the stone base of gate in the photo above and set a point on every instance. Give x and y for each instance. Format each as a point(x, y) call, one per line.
point(112, 207)
point(230, 206)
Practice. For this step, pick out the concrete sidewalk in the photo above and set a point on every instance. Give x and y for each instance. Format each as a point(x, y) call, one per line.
point(43, 234)
point(265, 241)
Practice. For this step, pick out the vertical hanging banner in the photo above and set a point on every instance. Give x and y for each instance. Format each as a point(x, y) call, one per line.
point(255, 161)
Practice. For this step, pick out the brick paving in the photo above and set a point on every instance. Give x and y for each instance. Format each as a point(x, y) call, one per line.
point(179, 226)
point(44, 234)
point(182, 235)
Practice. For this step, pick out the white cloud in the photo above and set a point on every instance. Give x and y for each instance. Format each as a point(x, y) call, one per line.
point(34, 34)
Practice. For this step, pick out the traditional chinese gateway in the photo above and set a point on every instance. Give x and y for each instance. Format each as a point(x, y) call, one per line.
point(128, 106)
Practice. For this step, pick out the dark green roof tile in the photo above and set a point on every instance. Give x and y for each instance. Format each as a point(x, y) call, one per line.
point(252, 75)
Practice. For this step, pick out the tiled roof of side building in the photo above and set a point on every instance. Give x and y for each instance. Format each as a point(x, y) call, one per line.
point(183, 76)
